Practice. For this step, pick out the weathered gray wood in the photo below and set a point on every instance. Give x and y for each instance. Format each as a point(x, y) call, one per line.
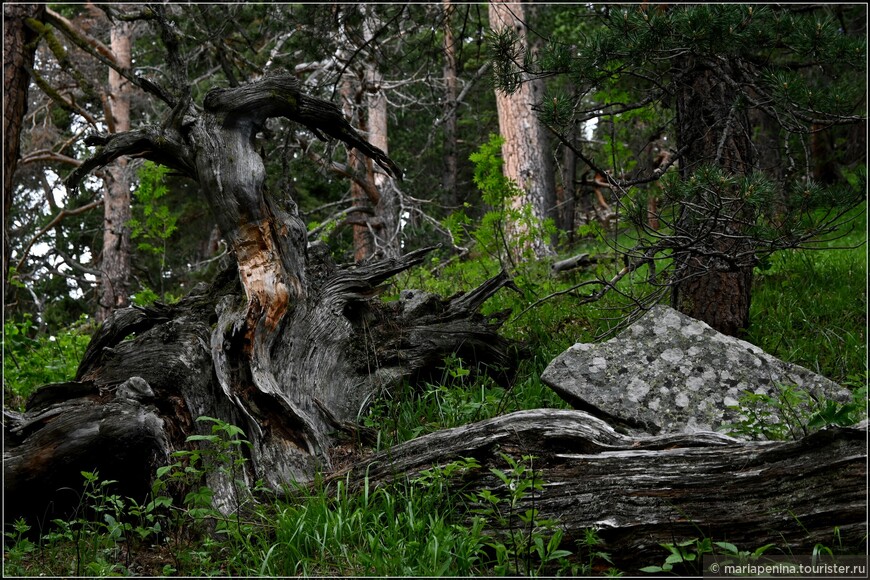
point(287, 345)
point(583, 260)
point(642, 492)
point(338, 349)
point(46, 450)
point(572, 263)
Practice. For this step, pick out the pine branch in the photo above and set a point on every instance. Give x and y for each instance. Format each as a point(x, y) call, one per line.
point(64, 213)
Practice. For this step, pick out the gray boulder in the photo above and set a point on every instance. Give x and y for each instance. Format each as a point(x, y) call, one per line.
point(670, 373)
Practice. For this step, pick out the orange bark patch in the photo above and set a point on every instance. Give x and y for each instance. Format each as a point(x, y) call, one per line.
point(263, 278)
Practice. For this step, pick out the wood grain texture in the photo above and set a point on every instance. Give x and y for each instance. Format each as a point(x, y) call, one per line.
point(642, 492)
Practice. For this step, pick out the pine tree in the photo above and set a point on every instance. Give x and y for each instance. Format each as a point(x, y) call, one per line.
point(721, 78)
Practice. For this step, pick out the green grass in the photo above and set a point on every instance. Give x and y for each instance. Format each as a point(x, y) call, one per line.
point(810, 307)
point(400, 530)
point(458, 399)
point(411, 527)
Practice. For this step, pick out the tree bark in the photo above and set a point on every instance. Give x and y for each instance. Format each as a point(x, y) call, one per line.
point(148, 373)
point(18, 53)
point(387, 238)
point(566, 202)
point(639, 493)
point(714, 129)
point(363, 242)
point(115, 263)
point(451, 167)
point(525, 144)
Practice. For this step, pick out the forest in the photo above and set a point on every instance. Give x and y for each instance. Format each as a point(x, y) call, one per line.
point(293, 289)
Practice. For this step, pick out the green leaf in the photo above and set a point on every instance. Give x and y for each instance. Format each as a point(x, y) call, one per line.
point(728, 547)
point(501, 475)
point(163, 470)
point(759, 551)
point(209, 438)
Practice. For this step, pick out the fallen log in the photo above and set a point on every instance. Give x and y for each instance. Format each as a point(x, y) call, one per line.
point(579, 261)
point(572, 263)
point(292, 348)
point(639, 493)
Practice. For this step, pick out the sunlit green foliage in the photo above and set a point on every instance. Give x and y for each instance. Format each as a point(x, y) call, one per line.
point(791, 413)
point(811, 307)
point(31, 360)
point(153, 223)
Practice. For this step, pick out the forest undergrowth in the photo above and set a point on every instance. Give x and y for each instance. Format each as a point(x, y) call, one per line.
point(808, 308)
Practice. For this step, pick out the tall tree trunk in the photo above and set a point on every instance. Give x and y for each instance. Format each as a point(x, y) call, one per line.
point(822, 152)
point(525, 149)
point(388, 231)
point(115, 263)
point(363, 244)
point(387, 238)
point(710, 283)
point(18, 52)
point(448, 180)
point(566, 201)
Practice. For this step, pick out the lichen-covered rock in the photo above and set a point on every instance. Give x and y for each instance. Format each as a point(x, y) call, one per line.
point(670, 373)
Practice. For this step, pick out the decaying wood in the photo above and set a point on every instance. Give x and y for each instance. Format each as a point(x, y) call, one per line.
point(287, 345)
point(337, 351)
point(583, 260)
point(580, 261)
point(642, 492)
point(572, 263)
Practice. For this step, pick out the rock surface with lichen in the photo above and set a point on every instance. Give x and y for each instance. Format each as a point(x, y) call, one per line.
point(670, 373)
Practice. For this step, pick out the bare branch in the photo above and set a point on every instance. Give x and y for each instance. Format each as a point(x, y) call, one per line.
point(55, 96)
point(103, 54)
point(342, 170)
point(64, 213)
point(160, 146)
point(49, 155)
point(78, 266)
point(337, 216)
point(280, 96)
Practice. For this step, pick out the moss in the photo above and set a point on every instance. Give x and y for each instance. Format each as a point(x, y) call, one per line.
point(50, 91)
point(62, 56)
point(35, 25)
